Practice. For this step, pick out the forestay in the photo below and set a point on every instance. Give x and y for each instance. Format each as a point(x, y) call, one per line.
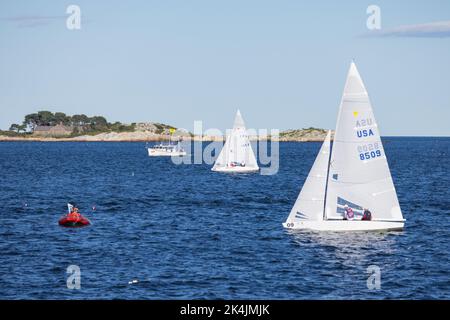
point(310, 201)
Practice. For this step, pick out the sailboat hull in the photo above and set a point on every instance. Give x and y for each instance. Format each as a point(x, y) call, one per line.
point(235, 169)
point(345, 225)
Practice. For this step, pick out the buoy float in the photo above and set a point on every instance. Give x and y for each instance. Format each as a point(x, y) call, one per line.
point(71, 221)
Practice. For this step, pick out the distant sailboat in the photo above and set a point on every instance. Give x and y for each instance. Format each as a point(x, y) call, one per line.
point(356, 175)
point(237, 154)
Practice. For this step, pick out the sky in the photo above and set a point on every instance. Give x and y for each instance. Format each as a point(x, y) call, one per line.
point(282, 63)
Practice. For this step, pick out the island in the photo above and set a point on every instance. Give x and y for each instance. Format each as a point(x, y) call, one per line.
point(57, 126)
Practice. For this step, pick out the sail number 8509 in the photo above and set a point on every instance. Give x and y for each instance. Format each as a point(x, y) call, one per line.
point(369, 155)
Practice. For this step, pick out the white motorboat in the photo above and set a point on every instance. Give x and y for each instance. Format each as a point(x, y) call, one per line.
point(171, 150)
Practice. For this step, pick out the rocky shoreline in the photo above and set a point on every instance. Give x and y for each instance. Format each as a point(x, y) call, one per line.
point(299, 135)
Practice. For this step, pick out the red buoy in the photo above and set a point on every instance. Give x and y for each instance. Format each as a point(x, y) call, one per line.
point(73, 221)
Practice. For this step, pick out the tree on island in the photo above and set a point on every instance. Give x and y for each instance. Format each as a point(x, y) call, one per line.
point(17, 128)
point(80, 123)
point(61, 117)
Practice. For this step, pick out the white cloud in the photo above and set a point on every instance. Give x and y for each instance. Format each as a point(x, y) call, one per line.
point(24, 21)
point(32, 21)
point(439, 29)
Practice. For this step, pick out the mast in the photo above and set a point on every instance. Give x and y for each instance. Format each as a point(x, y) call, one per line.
point(326, 183)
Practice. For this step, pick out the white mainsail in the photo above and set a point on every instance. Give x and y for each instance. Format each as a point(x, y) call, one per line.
point(237, 154)
point(311, 200)
point(359, 174)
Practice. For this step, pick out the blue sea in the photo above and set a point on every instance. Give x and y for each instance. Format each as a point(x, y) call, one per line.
point(166, 231)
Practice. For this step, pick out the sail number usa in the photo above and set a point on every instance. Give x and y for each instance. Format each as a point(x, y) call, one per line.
point(363, 127)
point(369, 151)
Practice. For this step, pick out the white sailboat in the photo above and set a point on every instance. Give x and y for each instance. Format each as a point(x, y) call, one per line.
point(356, 174)
point(236, 155)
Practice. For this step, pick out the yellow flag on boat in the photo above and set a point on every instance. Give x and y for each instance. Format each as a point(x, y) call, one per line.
point(172, 130)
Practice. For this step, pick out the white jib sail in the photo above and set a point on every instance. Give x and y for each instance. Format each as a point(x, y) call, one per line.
point(237, 150)
point(221, 160)
point(359, 175)
point(310, 201)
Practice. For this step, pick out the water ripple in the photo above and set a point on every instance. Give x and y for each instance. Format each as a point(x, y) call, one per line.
point(184, 232)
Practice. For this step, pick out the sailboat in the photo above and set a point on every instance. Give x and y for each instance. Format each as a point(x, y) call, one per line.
point(355, 175)
point(236, 155)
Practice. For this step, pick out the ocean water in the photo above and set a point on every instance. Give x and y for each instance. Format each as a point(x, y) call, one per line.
point(184, 232)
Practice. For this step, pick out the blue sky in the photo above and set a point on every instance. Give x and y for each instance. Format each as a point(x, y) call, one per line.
point(283, 63)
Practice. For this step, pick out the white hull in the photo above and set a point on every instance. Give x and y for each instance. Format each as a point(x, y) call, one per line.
point(162, 153)
point(235, 169)
point(345, 225)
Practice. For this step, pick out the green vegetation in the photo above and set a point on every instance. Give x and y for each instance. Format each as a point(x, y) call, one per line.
point(161, 128)
point(302, 132)
point(79, 123)
point(13, 133)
